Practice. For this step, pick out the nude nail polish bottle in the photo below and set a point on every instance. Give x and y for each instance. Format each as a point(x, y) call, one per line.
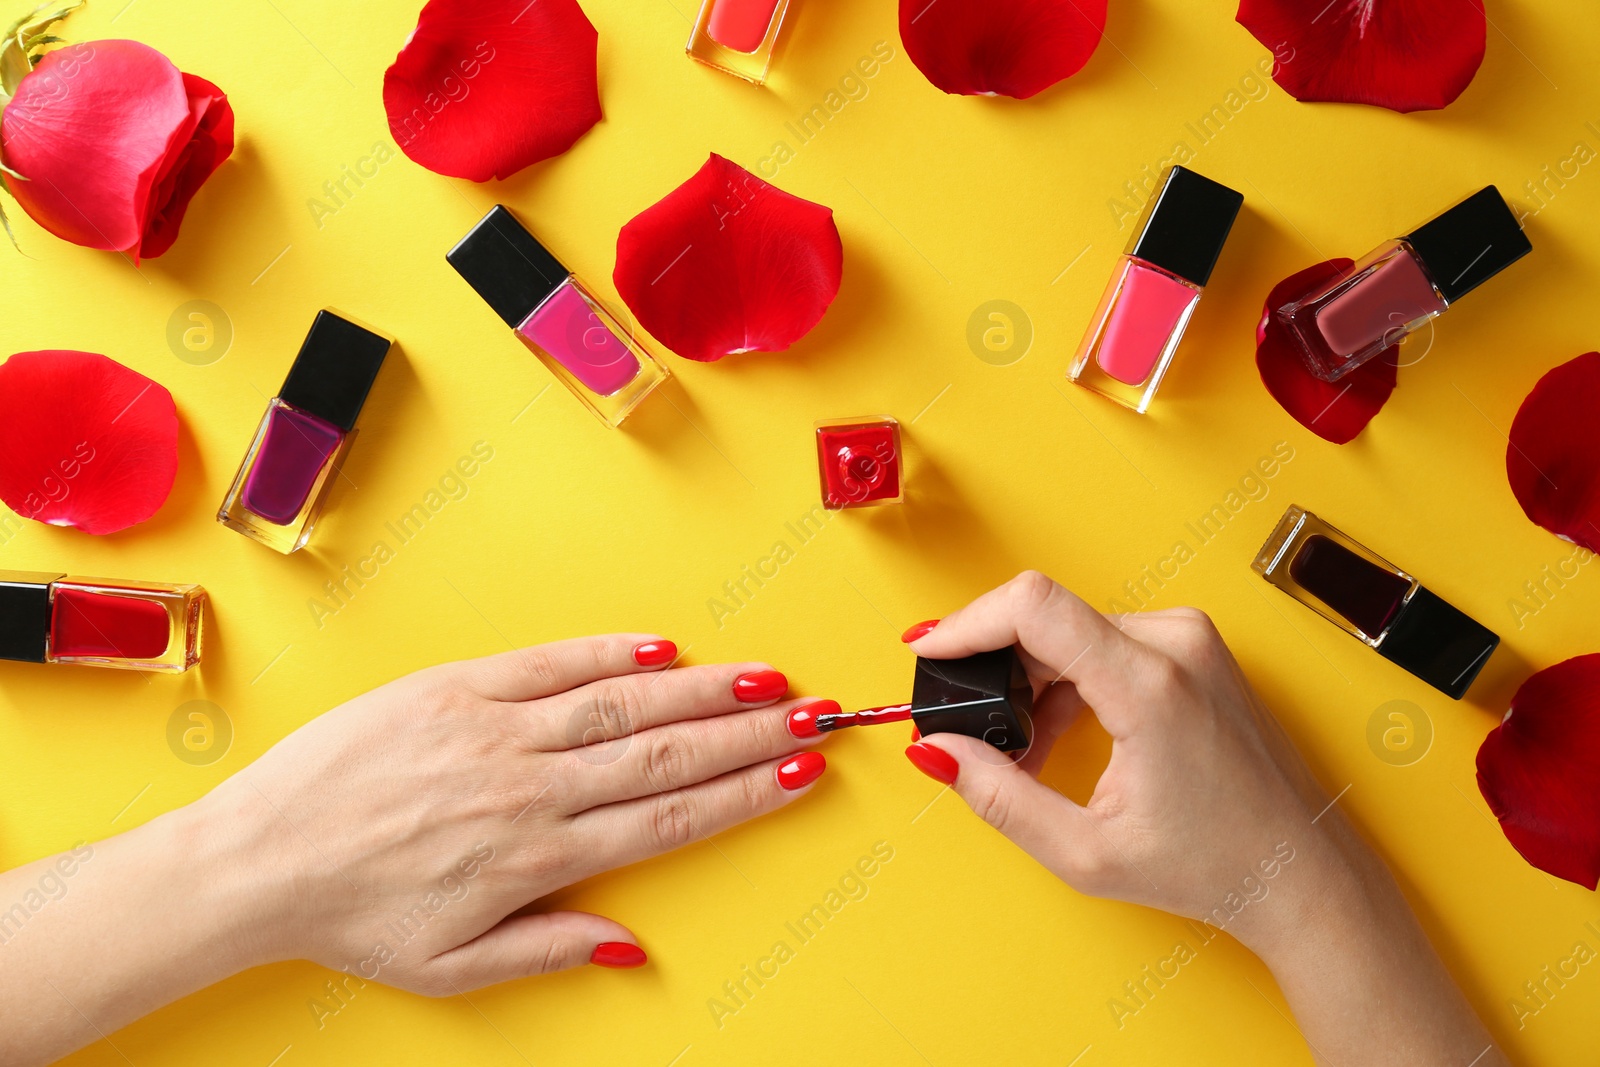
point(551, 312)
point(309, 426)
point(737, 36)
point(1403, 284)
point(1155, 287)
point(99, 622)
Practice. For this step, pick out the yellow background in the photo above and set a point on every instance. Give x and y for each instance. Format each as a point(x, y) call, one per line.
point(963, 951)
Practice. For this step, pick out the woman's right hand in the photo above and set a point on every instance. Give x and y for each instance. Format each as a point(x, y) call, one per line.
point(1205, 810)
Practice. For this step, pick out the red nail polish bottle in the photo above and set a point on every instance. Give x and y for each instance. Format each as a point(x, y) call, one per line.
point(1155, 288)
point(737, 36)
point(1403, 284)
point(146, 626)
point(860, 462)
point(309, 426)
point(556, 316)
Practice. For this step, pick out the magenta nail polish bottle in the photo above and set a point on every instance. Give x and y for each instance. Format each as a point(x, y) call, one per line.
point(308, 428)
point(552, 313)
point(1403, 284)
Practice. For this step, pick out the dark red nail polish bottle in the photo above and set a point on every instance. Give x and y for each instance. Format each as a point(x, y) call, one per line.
point(308, 427)
point(146, 626)
point(1371, 599)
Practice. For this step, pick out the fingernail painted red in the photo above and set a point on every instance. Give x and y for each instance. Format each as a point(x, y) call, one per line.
point(920, 630)
point(802, 770)
point(655, 653)
point(803, 720)
point(760, 686)
point(916, 733)
point(936, 763)
point(618, 954)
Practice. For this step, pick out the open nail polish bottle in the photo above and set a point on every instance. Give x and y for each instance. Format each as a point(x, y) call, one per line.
point(737, 36)
point(986, 696)
point(1370, 598)
point(552, 313)
point(1404, 283)
point(859, 461)
point(145, 626)
point(1155, 287)
point(309, 426)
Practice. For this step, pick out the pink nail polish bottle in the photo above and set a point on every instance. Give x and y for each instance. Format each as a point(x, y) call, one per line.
point(1155, 287)
point(552, 313)
point(1403, 284)
point(738, 36)
point(309, 426)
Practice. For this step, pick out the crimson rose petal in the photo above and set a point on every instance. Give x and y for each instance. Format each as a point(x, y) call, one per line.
point(84, 441)
point(1553, 460)
point(1540, 770)
point(113, 142)
point(208, 140)
point(726, 263)
point(1405, 55)
point(483, 88)
point(1000, 47)
point(1334, 411)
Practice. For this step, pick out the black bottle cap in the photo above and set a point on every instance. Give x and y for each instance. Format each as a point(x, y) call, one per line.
point(511, 271)
point(986, 696)
point(1438, 643)
point(1185, 224)
point(1470, 243)
point(25, 614)
point(334, 371)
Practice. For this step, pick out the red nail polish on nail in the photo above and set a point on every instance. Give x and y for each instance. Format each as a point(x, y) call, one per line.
point(936, 763)
point(758, 687)
point(618, 954)
point(916, 733)
point(802, 770)
point(655, 653)
point(803, 720)
point(920, 630)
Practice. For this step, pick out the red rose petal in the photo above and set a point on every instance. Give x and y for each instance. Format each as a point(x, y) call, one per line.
point(1000, 47)
point(1540, 770)
point(1405, 55)
point(1553, 460)
point(84, 441)
point(481, 90)
point(1334, 411)
point(91, 128)
point(726, 263)
point(207, 140)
